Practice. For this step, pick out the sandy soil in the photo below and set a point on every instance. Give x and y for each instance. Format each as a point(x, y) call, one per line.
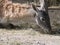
point(27, 37)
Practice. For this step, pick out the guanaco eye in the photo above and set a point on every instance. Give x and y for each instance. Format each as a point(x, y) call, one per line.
point(42, 19)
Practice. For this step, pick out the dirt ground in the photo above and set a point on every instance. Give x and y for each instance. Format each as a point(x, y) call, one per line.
point(27, 37)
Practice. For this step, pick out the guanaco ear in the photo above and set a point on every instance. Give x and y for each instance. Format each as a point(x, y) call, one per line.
point(35, 8)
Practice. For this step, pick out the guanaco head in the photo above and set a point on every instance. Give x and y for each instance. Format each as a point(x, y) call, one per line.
point(42, 19)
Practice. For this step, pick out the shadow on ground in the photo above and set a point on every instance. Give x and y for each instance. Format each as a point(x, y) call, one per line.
point(55, 31)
